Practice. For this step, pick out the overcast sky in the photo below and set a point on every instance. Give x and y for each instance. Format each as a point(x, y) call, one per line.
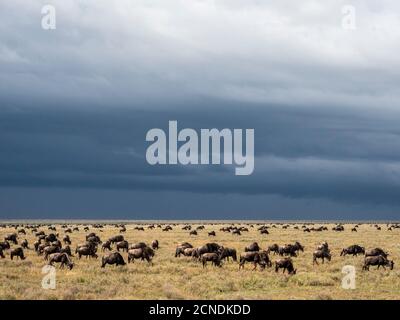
point(76, 104)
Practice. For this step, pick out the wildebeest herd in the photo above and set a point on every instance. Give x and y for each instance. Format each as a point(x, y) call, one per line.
point(54, 243)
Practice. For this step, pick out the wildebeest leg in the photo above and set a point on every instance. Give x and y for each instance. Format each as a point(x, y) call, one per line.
point(255, 266)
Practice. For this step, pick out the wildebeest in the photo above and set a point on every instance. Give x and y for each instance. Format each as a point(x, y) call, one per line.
point(377, 261)
point(354, 250)
point(17, 252)
point(193, 233)
point(273, 248)
point(117, 238)
point(256, 257)
point(181, 248)
point(51, 237)
point(5, 245)
point(106, 245)
point(1, 253)
point(354, 230)
point(113, 258)
point(88, 251)
point(145, 253)
point(228, 252)
point(24, 244)
point(321, 254)
point(213, 257)
point(62, 258)
point(207, 248)
point(124, 245)
point(291, 249)
point(211, 233)
point(285, 264)
point(376, 252)
point(154, 244)
point(49, 250)
point(237, 232)
point(11, 237)
point(138, 245)
point(67, 250)
point(264, 231)
point(67, 240)
point(253, 247)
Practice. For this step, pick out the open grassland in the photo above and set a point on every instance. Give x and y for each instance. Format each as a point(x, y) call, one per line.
point(183, 278)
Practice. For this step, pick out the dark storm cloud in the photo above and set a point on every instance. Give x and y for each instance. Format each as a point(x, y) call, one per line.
point(76, 103)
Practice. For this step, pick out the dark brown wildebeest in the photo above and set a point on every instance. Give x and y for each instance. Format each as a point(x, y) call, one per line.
point(106, 245)
point(124, 245)
point(354, 250)
point(17, 252)
point(323, 246)
point(377, 261)
point(123, 229)
point(11, 237)
point(51, 237)
point(228, 252)
point(5, 245)
point(193, 233)
point(256, 257)
point(21, 231)
point(213, 257)
point(321, 254)
point(354, 230)
point(376, 252)
point(181, 247)
point(94, 239)
point(285, 264)
point(88, 251)
point(117, 238)
point(207, 248)
point(67, 240)
point(236, 231)
point(291, 249)
point(113, 258)
point(62, 258)
point(187, 227)
point(49, 250)
point(1, 253)
point(154, 244)
point(67, 250)
point(253, 247)
point(273, 248)
point(145, 253)
point(212, 233)
point(264, 231)
point(24, 244)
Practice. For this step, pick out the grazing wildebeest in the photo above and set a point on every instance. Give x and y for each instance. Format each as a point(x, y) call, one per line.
point(51, 237)
point(291, 249)
point(321, 254)
point(228, 252)
point(24, 244)
point(11, 237)
point(154, 244)
point(193, 233)
point(354, 230)
point(117, 238)
point(106, 245)
point(113, 258)
point(22, 231)
point(213, 257)
point(124, 245)
point(257, 257)
point(354, 250)
point(17, 252)
point(211, 233)
point(376, 252)
point(264, 231)
point(181, 248)
point(49, 250)
point(253, 247)
point(88, 251)
point(285, 264)
point(62, 258)
point(138, 245)
point(207, 248)
point(377, 261)
point(145, 253)
point(236, 231)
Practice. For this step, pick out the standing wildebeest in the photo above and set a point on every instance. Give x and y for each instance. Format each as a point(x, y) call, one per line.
point(228, 252)
point(24, 244)
point(181, 248)
point(117, 238)
point(376, 252)
point(124, 245)
point(62, 258)
point(285, 264)
point(354, 230)
point(67, 240)
point(145, 253)
point(5, 245)
point(88, 251)
point(51, 237)
point(354, 250)
point(154, 244)
point(236, 231)
point(11, 237)
point(106, 245)
point(274, 248)
point(264, 231)
point(207, 248)
point(377, 261)
point(257, 257)
point(323, 246)
point(212, 233)
point(49, 250)
point(213, 257)
point(321, 254)
point(193, 233)
point(138, 245)
point(66, 250)
point(112, 258)
point(17, 252)
point(291, 249)
point(253, 247)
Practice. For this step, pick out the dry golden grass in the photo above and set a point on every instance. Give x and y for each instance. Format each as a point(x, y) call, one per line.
point(182, 278)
